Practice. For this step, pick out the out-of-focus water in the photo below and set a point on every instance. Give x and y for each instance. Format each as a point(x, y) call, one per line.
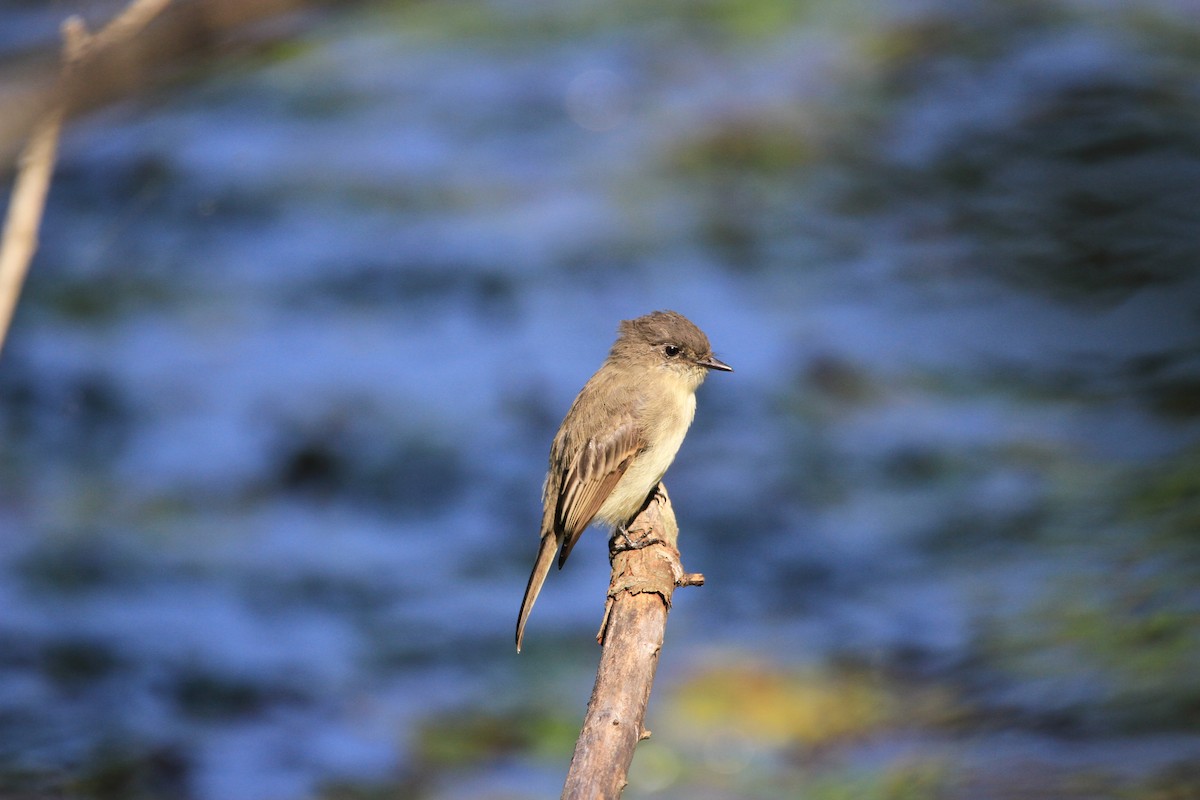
point(276, 405)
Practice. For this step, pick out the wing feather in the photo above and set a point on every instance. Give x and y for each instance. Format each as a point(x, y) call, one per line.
point(597, 469)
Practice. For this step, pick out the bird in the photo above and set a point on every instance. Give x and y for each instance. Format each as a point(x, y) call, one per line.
point(620, 435)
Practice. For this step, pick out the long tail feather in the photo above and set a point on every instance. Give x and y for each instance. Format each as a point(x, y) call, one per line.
point(541, 568)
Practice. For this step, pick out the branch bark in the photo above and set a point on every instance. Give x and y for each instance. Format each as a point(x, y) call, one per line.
point(645, 571)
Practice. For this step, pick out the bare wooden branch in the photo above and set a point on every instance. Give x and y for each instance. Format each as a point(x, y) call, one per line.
point(128, 58)
point(645, 571)
point(36, 162)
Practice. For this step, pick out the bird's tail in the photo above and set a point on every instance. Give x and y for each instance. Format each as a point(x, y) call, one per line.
point(541, 568)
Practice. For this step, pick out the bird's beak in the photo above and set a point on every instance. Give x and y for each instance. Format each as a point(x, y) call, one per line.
point(712, 362)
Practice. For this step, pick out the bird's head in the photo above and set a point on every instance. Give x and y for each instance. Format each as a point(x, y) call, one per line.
point(669, 341)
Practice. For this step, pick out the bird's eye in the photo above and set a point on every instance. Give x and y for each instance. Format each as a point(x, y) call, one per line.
point(671, 351)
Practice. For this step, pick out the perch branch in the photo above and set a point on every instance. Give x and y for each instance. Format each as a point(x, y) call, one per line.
point(645, 571)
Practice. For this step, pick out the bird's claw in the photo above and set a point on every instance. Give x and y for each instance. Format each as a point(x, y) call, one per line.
point(622, 540)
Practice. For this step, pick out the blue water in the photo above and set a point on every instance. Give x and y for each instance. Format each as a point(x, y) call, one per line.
point(276, 405)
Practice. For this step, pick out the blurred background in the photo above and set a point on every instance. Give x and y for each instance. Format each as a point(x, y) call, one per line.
point(312, 300)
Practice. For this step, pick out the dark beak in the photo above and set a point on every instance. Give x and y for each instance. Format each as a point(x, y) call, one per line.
point(712, 362)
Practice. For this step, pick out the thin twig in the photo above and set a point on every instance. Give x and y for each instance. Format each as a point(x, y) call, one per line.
point(36, 162)
point(25, 213)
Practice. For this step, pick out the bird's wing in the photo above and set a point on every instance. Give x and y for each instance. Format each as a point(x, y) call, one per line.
point(593, 475)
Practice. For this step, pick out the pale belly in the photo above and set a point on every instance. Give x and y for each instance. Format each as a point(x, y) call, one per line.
point(648, 468)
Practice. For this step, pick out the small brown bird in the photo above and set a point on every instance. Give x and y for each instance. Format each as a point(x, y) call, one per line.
point(620, 435)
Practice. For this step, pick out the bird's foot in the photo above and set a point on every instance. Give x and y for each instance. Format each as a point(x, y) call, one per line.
point(623, 539)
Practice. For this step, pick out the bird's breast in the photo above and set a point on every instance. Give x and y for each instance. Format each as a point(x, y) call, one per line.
point(665, 425)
